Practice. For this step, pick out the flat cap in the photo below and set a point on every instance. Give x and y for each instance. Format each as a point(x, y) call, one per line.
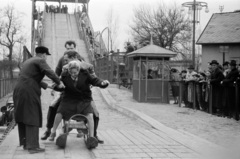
point(42, 50)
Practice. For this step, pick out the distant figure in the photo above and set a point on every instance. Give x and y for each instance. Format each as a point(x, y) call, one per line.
point(226, 68)
point(215, 80)
point(57, 9)
point(84, 9)
point(175, 78)
point(66, 7)
point(46, 8)
point(149, 76)
point(190, 78)
point(129, 47)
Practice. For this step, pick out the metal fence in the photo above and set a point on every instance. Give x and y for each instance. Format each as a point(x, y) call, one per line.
point(114, 67)
point(6, 86)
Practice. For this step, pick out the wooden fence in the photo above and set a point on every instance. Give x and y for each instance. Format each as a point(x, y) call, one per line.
point(6, 86)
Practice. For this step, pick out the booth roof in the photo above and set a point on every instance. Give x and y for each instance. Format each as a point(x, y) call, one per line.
point(152, 51)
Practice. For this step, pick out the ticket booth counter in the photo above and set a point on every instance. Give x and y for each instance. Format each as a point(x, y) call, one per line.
point(151, 74)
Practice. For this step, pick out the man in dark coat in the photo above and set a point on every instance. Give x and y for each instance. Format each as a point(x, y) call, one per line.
point(70, 45)
point(215, 80)
point(26, 97)
point(229, 90)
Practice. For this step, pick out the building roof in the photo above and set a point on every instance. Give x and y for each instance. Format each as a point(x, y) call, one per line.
point(152, 51)
point(221, 28)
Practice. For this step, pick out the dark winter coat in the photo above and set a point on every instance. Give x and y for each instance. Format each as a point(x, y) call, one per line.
point(27, 92)
point(229, 89)
point(73, 96)
point(215, 80)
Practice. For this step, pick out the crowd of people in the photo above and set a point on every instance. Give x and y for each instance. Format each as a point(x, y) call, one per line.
point(73, 77)
point(222, 80)
point(56, 9)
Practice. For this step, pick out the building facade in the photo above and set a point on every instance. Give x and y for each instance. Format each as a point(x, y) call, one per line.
point(220, 39)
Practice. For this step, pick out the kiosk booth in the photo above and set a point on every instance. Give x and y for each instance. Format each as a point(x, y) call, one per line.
point(151, 74)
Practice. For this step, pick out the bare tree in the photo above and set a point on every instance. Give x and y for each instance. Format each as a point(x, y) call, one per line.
point(112, 19)
point(10, 30)
point(168, 26)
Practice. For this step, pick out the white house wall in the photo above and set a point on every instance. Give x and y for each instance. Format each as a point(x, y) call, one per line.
point(211, 52)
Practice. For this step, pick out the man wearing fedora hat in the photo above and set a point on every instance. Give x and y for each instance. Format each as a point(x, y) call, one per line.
point(215, 80)
point(229, 92)
point(26, 97)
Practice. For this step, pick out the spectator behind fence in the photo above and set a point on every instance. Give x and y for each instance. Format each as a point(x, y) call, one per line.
point(239, 69)
point(189, 78)
point(84, 9)
point(215, 80)
point(200, 91)
point(226, 68)
point(46, 7)
point(175, 79)
point(184, 87)
point(229, 90)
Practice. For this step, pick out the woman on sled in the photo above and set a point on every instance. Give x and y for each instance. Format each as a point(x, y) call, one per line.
point(77, 96)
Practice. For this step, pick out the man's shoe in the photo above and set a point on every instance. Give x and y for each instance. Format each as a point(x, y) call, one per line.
point(80, 134)
point(36, 150)
point(52, 137)
point(45, 135)
point(92, 143)
point(99, 140)
point(24, 147)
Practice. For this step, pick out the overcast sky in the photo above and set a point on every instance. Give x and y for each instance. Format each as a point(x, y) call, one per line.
point(99, 8)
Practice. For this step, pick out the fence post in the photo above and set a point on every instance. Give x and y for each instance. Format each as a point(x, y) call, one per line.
point(180, 94)
point(0, 88)
point(194, 96)
point(4, 87)
point(236, 101)
point(210, 99)
point(111, 74)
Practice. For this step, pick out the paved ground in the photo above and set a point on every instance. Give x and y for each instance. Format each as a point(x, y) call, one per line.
point(125, 136)
point(218, 130)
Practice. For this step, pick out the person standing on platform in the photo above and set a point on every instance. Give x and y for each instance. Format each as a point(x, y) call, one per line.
point(26, 97)
point(46, 7)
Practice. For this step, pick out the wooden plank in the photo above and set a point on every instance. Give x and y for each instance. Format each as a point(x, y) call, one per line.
point(164, 136)
point(155, 137)
point(144, 138)
point(109, 140)
point(124, 139)
point(128, 135)
point(115, 137)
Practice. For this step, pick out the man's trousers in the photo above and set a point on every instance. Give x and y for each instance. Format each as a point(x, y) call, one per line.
point(28, 135)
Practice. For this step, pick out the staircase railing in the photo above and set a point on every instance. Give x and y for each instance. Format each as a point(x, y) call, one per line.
point(82, 33)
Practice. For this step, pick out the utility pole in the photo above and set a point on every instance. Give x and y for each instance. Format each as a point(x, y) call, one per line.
point(33, 29)
point(193, 43)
